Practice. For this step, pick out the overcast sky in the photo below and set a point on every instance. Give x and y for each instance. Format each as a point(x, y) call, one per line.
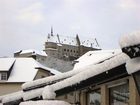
point(24, 24)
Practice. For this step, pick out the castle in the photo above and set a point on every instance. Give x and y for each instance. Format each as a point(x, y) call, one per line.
point(69, 48)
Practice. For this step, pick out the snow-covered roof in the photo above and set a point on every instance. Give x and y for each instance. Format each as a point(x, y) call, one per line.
point(88, 42)
point(53, 38)
point(94, 57)
point(6, 63)
point(24, 69)
point(11, 97)
point(45, 102)
point(90, 71)
point(50, 79)
point(130, 39)
point(68, 40)
point(78, 76)
point(62, 39)
point(33, 52)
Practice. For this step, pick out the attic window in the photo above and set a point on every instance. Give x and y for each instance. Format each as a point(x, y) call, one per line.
point(3, 76)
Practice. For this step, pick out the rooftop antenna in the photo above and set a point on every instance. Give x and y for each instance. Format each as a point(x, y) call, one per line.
point(51, 31)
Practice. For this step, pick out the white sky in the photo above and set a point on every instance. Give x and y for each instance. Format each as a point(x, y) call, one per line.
point(24, 24)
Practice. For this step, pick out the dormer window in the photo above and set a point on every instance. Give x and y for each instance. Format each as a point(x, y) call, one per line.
point(3, 76)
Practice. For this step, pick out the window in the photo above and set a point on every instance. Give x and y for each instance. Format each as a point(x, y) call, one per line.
point(3, 76)
point(119, 95)
point(94, 97)
point(136, 76)
point(43, 76)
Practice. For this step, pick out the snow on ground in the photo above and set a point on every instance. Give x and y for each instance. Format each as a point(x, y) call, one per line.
point(133, 65)
point(90, 71)
point(130, 39)
point(43, 102)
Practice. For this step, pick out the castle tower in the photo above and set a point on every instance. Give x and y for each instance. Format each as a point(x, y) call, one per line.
point(51, 31)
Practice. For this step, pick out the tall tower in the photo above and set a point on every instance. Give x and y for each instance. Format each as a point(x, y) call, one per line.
point(51, 31)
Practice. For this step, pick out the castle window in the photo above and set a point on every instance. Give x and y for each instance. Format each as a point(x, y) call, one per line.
point(64, 49)
point(67, 50)
point(70, 50)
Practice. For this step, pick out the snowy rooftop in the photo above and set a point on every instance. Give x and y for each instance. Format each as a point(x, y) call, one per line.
point(72, 41)
point(75, 76)
point(6, 63)
point(90, 71)
point(89, 42)
point(44, 102)
point(94, 57)
point(33, 52)
point(24, 69)
point(62, 39)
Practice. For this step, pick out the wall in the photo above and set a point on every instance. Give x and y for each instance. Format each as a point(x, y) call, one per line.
point(42, 74)
point(6, 88)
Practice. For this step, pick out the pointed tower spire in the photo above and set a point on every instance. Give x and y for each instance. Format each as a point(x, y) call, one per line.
point(51, 31)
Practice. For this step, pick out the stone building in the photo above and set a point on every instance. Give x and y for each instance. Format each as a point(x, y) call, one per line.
point(69, 48)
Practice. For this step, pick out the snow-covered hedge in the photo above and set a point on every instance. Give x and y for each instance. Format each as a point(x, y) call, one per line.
point(133, 65)
point(130, 39)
